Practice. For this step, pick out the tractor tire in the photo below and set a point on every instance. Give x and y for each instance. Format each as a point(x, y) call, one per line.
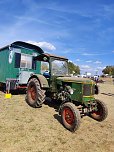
point(70, 116)
point(35, 95)
point(101, 112)
point(96, 89)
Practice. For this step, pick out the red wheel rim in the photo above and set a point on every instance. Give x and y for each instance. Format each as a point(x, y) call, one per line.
point(99, 111)
point(32, 92)
point(68, 116)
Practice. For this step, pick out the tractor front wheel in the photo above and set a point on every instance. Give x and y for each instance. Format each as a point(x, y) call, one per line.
point(70, 116)
point(35, 95)
point(101, 112)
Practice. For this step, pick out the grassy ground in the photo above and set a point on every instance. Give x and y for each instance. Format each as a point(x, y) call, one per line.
point(24, 129)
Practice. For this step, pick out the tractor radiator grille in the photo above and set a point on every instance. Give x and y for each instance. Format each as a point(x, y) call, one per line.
point(88, 90)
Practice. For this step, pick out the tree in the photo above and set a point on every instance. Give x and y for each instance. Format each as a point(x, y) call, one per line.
point(113, 72)
point(108, 70)
point(73, 69)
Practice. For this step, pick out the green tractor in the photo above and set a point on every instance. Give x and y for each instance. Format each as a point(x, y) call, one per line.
point(75, 95)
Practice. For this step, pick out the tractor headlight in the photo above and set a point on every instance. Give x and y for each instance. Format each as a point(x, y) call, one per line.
point(70, 90)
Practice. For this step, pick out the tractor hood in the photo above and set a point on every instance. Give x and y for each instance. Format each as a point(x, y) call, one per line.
point(75, 79)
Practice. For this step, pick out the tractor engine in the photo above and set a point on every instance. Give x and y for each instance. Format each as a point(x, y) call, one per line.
point(64, 93)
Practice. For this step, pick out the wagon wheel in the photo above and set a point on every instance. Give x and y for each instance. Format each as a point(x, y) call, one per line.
point(70, 116)
point(35, 95)
point(101, 113)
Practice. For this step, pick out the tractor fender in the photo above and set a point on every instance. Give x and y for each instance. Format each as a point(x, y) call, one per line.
point(43, 81)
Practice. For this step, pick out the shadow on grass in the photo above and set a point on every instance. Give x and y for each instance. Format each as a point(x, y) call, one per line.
point(15, 92)
point(18, 92)
point(52, 103)
point(58, 118)
point(108, 94)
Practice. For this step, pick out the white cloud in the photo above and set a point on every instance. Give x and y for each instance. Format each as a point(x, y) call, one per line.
point(113, 51)
point(44, 45)
point(100, 68)
point(77, 60)
point(87, 54)
point(95, 54)
point(89, 61)
point(85, 67)
point(71, 61)
point(97, 62)
point(66, 51)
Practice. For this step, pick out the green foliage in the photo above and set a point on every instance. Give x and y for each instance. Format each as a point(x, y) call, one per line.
point(113, 73)
point(73, 69)
point(108, 70)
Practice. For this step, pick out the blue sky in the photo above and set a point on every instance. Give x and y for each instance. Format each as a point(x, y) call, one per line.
point(81, 30)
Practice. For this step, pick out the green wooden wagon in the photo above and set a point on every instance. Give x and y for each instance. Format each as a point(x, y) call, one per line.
point(17, 64)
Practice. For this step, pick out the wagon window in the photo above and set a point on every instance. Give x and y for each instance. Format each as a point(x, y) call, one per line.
point(26, 61)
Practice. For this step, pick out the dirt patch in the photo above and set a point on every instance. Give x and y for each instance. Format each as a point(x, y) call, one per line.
point(25, 129)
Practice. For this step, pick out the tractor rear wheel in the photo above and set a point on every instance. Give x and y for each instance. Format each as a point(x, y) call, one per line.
point(101, 112)
point(70, 116)
point(35, 95)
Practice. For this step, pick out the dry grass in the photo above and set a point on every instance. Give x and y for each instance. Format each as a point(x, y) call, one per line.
point(24, 129)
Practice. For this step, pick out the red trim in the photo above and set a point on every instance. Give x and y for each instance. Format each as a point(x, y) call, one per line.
point(32, 92)
point(68, 115)
point(21, 87)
